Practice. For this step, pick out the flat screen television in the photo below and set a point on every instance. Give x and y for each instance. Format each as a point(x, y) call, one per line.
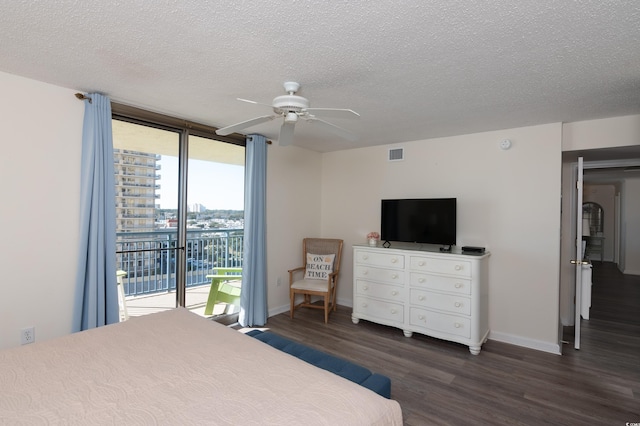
point(425, 220)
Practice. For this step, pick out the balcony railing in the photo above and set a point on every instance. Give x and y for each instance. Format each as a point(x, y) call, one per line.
point(149, 258)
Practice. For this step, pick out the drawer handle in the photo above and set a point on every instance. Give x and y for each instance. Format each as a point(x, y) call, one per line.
point(421, 280)
point(393, 311)
point(365, 257)
point(422, 263)
point(421, 298)
point(394, 293)
point(394, 260)
point(458, 267)
point(394, 276)
point(365, 287)
point(457, 304)
point(457, 325)
point(365, 272)
point(421, 317)
point(458, 285)
point(364, 305)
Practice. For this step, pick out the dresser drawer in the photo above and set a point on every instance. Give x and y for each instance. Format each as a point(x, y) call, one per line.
point(444, 323)
point(380, 309)
point(456, 267)
point(380, 291)
point(390, 276)
point(440, 283)
point(385, 260)
point(442, 302)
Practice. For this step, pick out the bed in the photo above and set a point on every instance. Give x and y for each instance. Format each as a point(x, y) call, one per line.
point(175, 367)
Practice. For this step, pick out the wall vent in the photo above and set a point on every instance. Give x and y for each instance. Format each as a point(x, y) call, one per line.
point(396, 154)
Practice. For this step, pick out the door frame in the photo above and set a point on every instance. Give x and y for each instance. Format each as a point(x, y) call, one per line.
point(185, 129)
point(567, 248)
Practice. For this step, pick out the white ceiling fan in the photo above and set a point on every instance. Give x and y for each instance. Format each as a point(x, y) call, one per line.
point(292, 107)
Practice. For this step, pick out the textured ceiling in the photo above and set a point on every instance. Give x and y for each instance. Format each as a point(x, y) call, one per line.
point(412, 69)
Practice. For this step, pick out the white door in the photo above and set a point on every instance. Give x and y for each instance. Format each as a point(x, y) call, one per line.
point(578, 262)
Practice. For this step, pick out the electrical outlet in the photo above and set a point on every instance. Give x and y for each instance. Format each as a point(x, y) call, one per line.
point(279, 282)
point(27, 335)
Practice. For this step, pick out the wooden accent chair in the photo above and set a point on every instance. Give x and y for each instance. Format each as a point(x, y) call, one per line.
point(318, 276)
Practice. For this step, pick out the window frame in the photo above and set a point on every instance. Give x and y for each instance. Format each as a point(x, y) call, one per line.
point(184, 128)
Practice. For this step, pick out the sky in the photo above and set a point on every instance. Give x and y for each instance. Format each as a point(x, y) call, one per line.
point(215, 185)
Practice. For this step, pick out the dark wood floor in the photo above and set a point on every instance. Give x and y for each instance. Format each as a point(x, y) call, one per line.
point(441, 383)
point(615, 296)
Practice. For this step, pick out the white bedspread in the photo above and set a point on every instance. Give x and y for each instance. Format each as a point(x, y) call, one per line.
point(176, 368)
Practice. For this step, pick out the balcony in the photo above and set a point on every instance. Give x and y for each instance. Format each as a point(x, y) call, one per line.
point(149, 259)
point(196, 301)
point(130, 194)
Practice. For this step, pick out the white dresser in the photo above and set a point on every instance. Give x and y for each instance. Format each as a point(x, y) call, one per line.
point(442, 295)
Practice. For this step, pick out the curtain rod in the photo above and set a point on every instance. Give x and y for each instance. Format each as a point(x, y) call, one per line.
point(83, 97)
point(188, 124)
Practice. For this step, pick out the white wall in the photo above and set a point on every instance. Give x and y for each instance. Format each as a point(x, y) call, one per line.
point(294, 178)
point(604, 133)
point(505, 203)
point(39, 189)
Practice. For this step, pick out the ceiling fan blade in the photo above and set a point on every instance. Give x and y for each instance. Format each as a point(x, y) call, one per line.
point(254, 102)
point(334, 112)
point(244, 124)
point(286, 134)
point(343, 133)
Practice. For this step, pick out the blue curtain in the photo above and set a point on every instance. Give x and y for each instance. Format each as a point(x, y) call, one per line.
point(96, 299)
point(253, 299)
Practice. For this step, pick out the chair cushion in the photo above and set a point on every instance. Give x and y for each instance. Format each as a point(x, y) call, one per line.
point(343, 368)
point(312, 285)
point(319, 266)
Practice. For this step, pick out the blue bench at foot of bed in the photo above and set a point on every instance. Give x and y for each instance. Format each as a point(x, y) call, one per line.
point(358, 374)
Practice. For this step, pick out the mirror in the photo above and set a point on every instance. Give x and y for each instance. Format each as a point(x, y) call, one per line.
point(593, 214)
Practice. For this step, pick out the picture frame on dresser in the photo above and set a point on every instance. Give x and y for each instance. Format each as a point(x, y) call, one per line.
point(442, 295)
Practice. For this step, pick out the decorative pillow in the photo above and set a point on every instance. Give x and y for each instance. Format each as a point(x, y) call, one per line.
point(319, 266)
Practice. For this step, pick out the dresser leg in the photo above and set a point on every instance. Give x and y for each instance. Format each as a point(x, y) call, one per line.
point(354, 319)
point(475, 350)
point(407, 333)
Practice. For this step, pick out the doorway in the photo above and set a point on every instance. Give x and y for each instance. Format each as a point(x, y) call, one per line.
point(613, 169)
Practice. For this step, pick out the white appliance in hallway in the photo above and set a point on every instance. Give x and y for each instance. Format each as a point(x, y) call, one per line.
point(586, 290)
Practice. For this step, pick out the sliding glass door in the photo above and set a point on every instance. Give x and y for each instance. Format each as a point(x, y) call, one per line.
point(179, 208)
point(214, 226)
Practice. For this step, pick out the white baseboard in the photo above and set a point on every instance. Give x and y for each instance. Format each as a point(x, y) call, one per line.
point(631, 272)
point(279, 310)
point(538, 345)
point(285, 308)
point(345, 302)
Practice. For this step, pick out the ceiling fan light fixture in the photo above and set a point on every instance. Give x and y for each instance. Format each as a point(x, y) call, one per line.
point(291, 117)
